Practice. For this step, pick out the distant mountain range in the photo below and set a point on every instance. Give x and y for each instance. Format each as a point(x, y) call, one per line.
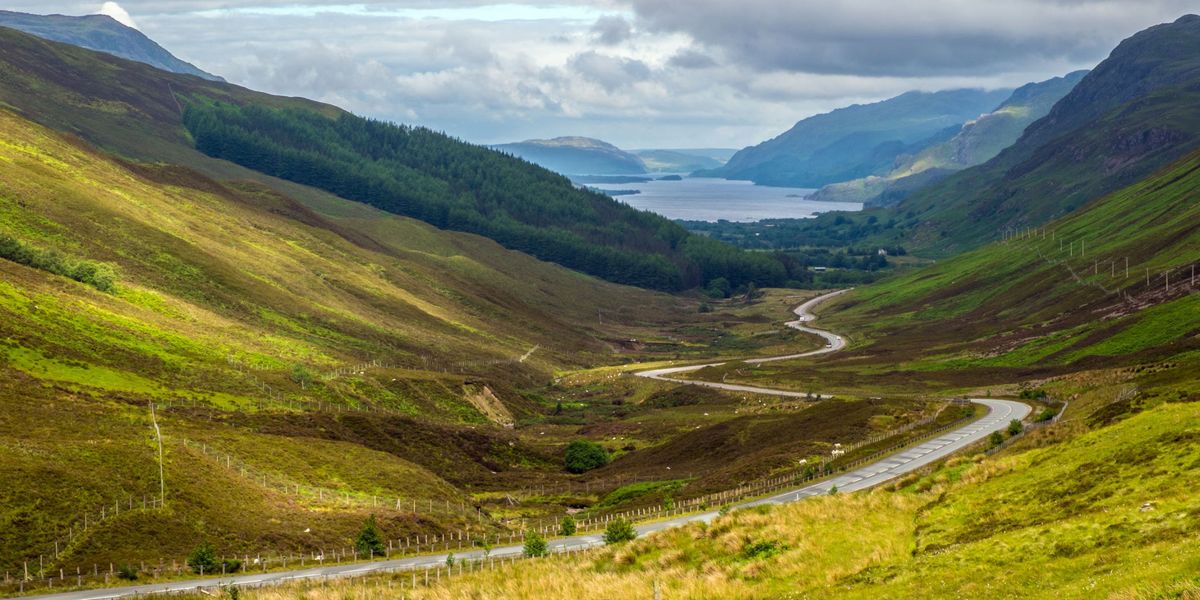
point(684, 160)
point(976, 142)
point(859, 140)
point(576, 156)
point(103, 34)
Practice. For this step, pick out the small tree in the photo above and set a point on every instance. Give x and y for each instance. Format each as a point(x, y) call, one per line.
point(203, 559)
point(584, 455)
point(619, 531)
point(1015, 427)
point(450, 560)
point(996, 438)
point(833, 491)
point(535, 545)
point(301, 375)
point(369, 540)
point(568, 526)
point(127, 572)
point(668, 503)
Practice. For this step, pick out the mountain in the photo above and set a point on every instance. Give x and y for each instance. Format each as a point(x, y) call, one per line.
point(576, 156)
point(103, 34)
point(979, 140)
point(152, 115)
point(683, 161)
point(859, 140)
point(1131, 115)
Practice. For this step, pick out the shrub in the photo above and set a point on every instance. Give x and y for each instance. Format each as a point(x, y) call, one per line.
point(450, 560)
point(724, 510)
point(127, 572)
point(535, 545)
point(619, 531)
point(567, 527)
point(369, 540)
point(202, 560)
point(763, 549)
point(231, 566)
point(98, 275)
point(584, 455)
point(1015, 427)
point(996, 439)
point(1047, 414)
point(833, 491)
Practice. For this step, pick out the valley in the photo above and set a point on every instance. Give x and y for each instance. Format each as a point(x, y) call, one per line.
point(255, 345)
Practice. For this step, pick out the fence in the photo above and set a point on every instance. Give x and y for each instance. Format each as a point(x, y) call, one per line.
point(275, 482)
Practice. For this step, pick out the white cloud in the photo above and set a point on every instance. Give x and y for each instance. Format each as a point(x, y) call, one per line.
point(118, 14)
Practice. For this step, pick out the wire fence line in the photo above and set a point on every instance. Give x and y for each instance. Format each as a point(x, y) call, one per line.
point(1105, 266)
point(426, 506)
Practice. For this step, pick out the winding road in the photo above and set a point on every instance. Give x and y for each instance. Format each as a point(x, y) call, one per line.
point(870, 475)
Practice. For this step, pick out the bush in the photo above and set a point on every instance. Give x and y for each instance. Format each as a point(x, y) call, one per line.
point(127, 572)
point(535, 545)
point(833, 491)
point(619, 531)
point(763, 549)
point(1047, 414)
point(996, 439)
point(1015, 427)
point(583, 455)
point(369, 540)
point(203, 559)
point(724, 510)
point(567, 527)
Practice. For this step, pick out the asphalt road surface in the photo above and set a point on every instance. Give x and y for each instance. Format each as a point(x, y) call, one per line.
point(873, 474)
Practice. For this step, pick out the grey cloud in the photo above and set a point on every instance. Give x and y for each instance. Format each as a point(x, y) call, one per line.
point(612, 30)
point(913, 38)
point(608, 71)
point(691, 59)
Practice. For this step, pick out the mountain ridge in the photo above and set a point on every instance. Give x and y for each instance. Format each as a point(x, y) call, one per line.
point(858, 140)
point(102, 33)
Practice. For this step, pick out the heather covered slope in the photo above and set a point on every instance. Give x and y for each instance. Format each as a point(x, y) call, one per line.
point(243, 311)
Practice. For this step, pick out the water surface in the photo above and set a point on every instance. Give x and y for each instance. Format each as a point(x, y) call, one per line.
point(709, 199)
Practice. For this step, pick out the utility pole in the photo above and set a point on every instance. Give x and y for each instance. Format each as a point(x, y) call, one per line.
point(162, 481)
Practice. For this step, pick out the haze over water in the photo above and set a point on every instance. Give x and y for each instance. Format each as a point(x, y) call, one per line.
point(710, 199)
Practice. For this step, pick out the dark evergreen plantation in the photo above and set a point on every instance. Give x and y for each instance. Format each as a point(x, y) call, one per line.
point(420, 173)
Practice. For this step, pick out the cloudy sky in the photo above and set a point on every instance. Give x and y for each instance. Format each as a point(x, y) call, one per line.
point(638, 73)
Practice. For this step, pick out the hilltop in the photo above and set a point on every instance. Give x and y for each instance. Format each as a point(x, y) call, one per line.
point(103, 34)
